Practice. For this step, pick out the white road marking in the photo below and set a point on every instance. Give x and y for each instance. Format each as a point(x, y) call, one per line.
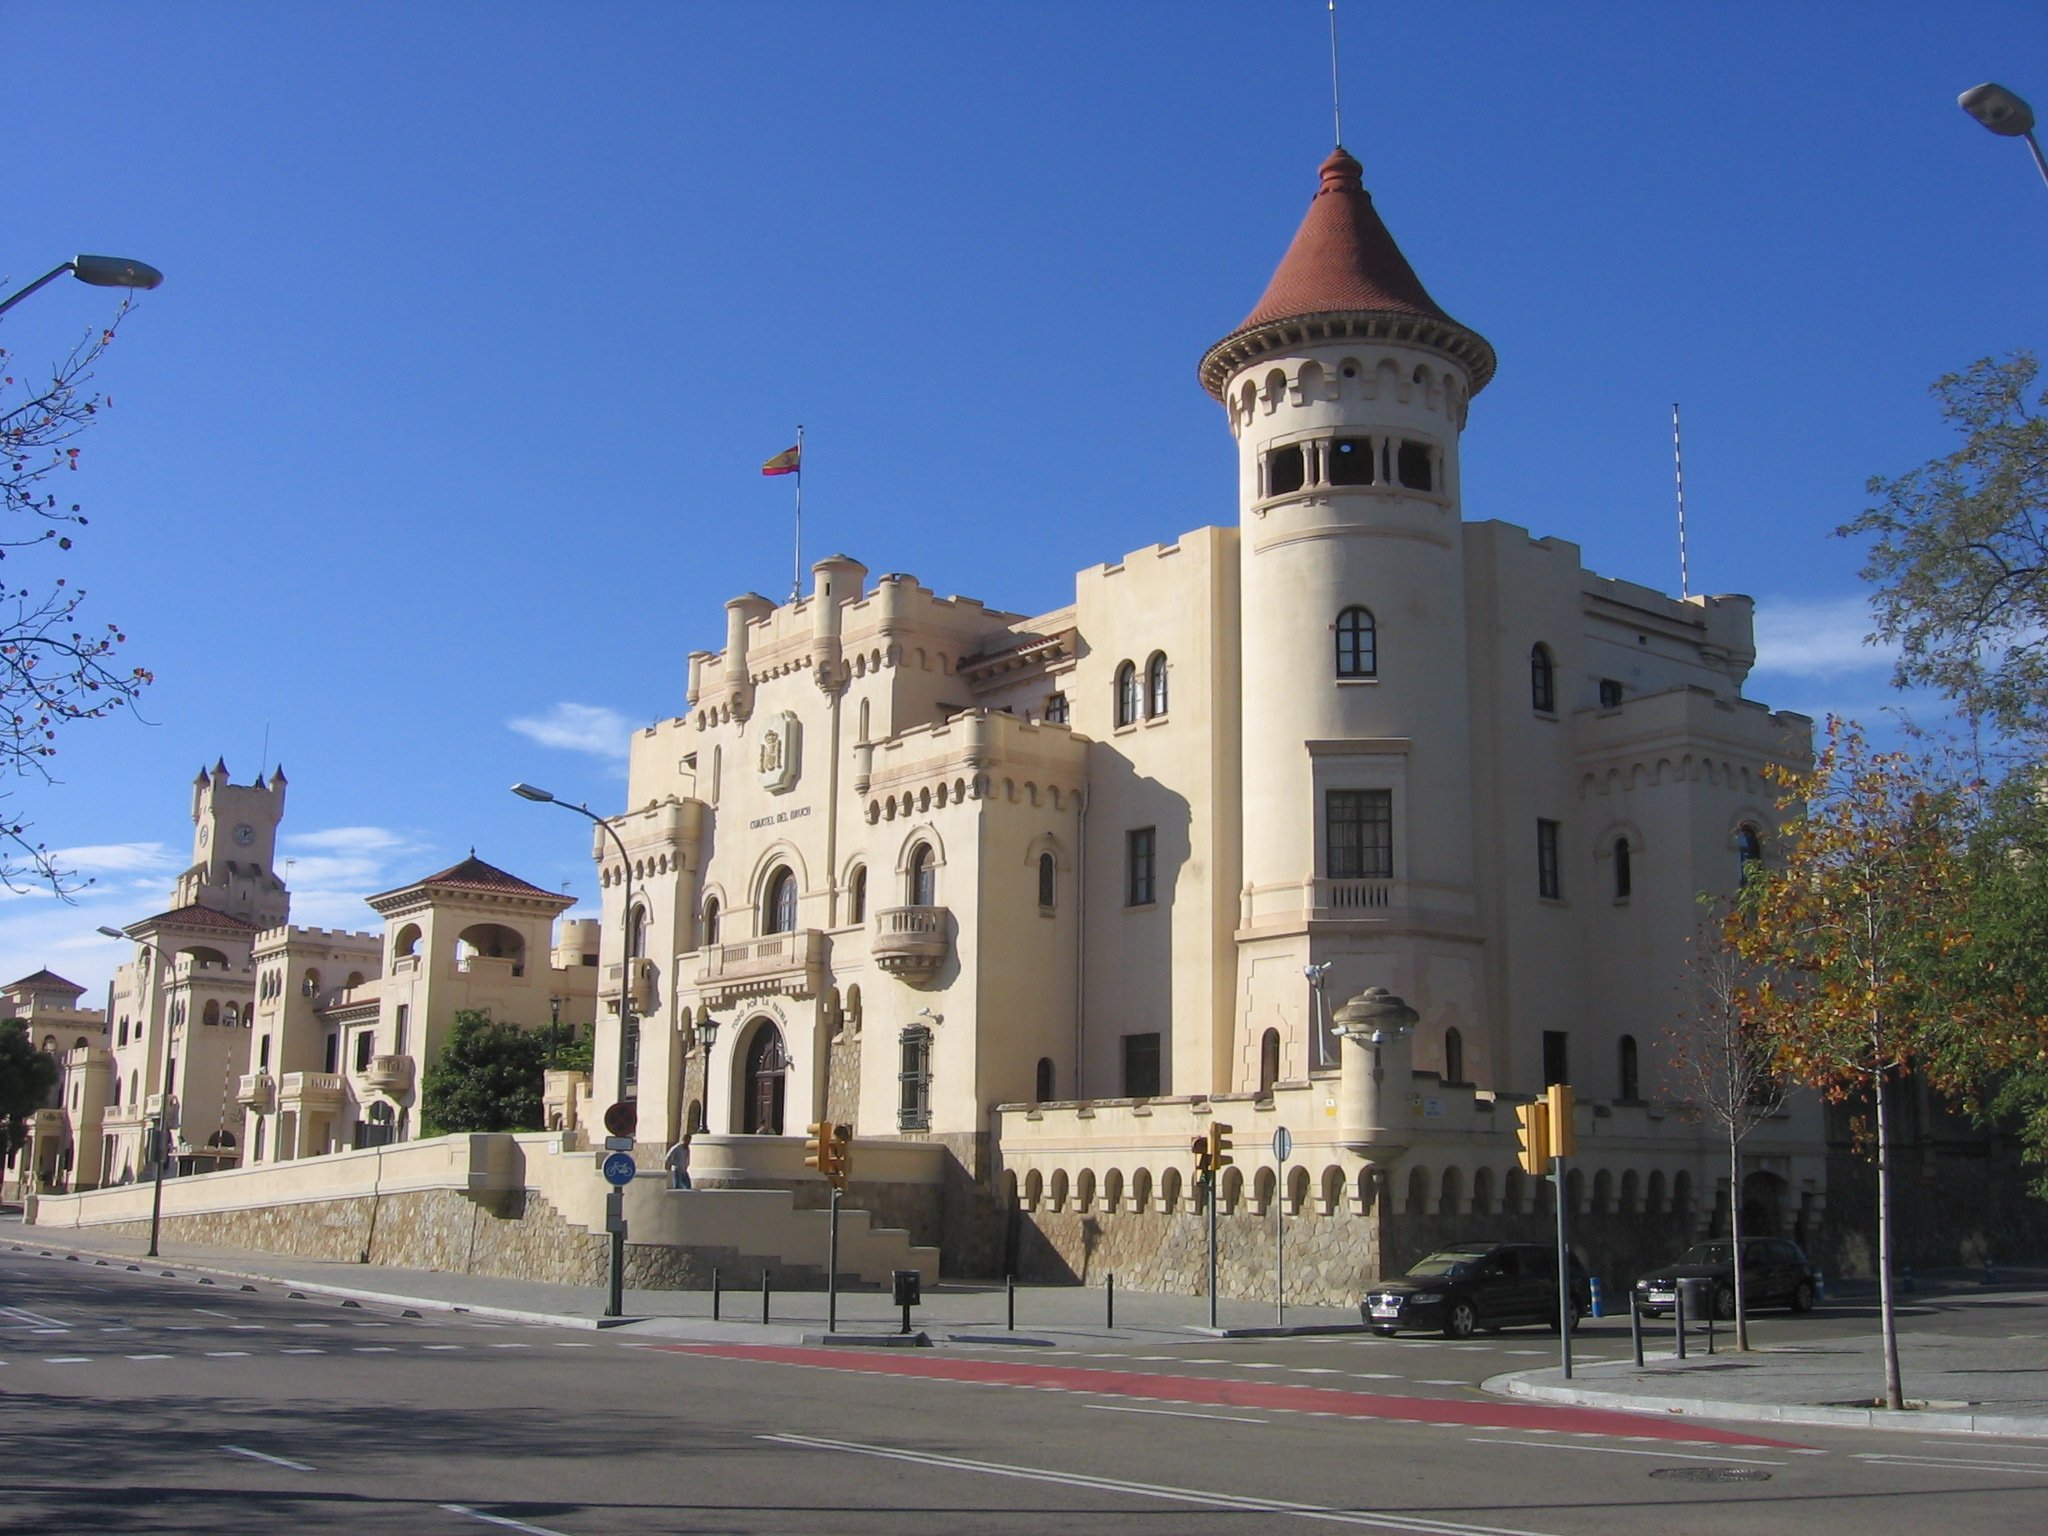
point(1618, 1450)
point(302, 1351)
point(1375, 1376)
point(67, 1360)
point(1240, 1502)
point(441, 1346)
point(1439, 1381)
point(312, 1325)
point(511, 1346)
point(22, 1314)
point(1898, 1459)
point(1317, 1370)
point(1205, 1362)
point(1263, 1365)
point(121, 1329)
point(149, 1357)
point(559, 1344)
point(227, 1354)
point(510, 1525)
point(374, 1349)
point(1176, 1413)
point(43, 1332)
point(211, 1313)
point(275, 1461)
point(245, 1328)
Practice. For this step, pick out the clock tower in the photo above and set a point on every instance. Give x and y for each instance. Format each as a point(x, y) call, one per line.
point(234, 848)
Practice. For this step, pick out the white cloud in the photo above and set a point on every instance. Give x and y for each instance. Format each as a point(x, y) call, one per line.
point(589, 728)
point(116, 858)
point(349, 840)
point(1817, 638)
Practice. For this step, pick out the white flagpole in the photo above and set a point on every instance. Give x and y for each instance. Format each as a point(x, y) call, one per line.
point(796, 574)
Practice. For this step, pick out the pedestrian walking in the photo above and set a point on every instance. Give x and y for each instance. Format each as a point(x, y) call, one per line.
point(677, 1160)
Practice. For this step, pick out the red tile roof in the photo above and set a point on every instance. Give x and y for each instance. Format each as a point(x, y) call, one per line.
point(1343, 262)
point(45, 979)
point(473, 874)
point(196, 916)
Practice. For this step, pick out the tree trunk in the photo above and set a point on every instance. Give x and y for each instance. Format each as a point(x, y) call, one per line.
point(1894, 1393)
point(1735, 1236)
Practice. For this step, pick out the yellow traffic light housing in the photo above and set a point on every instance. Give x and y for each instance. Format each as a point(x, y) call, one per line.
point(1219, 1147)
point(1204, 1167)
point(1563, 1131)
point(819, 1151)
point(842, 1155)
point(1532, 1136)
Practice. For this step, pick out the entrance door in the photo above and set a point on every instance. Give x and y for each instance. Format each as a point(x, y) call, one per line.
point(767, 1065)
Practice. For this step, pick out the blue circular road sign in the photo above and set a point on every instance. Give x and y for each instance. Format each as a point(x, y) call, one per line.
point(619, 1169)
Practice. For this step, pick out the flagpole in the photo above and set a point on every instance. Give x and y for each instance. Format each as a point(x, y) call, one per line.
point(796, 572)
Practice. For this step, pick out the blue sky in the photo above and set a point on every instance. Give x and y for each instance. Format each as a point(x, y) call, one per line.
point(438, 450)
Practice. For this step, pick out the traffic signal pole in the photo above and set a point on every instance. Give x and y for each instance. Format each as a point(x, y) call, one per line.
point(1565, 1307)
point(832, 1270)
point(1212, 1249)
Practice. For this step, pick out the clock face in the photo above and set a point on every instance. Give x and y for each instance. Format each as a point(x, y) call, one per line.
point(245, 835)
point(205, 835)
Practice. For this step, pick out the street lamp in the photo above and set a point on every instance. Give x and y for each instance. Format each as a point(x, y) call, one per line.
point(2004, 114)
point(1316, 975)
point(101, 272)
point(163, 1106)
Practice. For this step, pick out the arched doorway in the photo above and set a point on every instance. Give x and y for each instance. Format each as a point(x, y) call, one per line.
point(767, 1067)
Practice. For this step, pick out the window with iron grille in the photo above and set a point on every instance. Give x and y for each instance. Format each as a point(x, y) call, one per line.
point(914, 1081)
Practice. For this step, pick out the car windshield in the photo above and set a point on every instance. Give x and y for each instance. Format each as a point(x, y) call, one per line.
point(1442, 1264)
point(1707, 1253)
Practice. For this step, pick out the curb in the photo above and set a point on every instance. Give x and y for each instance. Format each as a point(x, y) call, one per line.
point(1518, 1384)
point(919, 1340)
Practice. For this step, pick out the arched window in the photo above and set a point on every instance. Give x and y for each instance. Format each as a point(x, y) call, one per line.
point(309, 983)
point(1629, 1084)
point(923, 883)
point(117, 1093)
point(1542, 679)
point(1454, 1056)
point(231, 1016)
point(636, 933)
point(857, 896)
point(1126, 693)
point(778, 910)
point(710, 921)
point(1043, 1092)
point(1155, 686)
point(1048, 881)
point(862, 734)
point(1357, 644)
point(1749, 852)
point(124, 1030)
point(1624, 873)
point(210, 1014)
point(1269, 1062)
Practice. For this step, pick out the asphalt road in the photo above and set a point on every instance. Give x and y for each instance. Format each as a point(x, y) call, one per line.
point(136, 1402)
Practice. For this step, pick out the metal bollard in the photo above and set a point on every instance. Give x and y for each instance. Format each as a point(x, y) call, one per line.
point(1678, 1315)
point(1109, 1302)
point(1712, 1307)
point(1635, 1326)
point(1010, 1296)
point(1599, 1303)
point(764, 1295)
point(714, 1293)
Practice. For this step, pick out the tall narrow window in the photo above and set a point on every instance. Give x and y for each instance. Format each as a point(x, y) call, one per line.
point(1454, 1055)
point(779, 910)
point(1547, 881)
point(1749, 852)
point(1357, 644)
point(1127, 693)
point(401, 1029)
point(923, 884)
point(1542, 680)
point(630, 1046)
point(1269, 1062)
point(1628, 1072)
point(710, 922)
point(1140, 854)
point(262, 1064)
point(1155, 686)
point(332, 1058)
point(636, 933)
point(857, 897)
point(1043, 1090)
point(366, 1048)
point(1624, 869)
point(914, 1081)
point(1048, 881)
point(1557, 1064)
point(1359, 834)
point(1141, 1066)
point(1056, 712)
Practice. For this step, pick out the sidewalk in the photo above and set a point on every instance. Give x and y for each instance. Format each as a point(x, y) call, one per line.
point(1993, 1382)
point(1990, 1382)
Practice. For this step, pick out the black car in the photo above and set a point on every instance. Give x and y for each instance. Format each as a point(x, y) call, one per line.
point(1473, 1286)
point(1775, 1273)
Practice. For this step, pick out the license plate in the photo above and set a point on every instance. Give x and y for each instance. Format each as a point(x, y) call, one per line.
point(1386, 1309)
point(1660, 1297)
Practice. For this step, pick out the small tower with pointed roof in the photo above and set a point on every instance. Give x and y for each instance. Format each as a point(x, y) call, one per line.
point(1346, 388)
point(234, 848)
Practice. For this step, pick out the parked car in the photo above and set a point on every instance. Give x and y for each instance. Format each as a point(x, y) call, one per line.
point(1475, 1285)
point(1775, 1273)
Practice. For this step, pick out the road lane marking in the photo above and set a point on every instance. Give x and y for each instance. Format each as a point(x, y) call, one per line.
point(374, 1349)
point(440, 1346)
point(227, 1354)
point(511, 1346)
point(1901, 1459)
point(1238, 1502)
point(1179, 1413)
point(22, 1314)
point(67, 1360)
point(510, 1525)
point(275, 1461)
point(301, 1351)
point(209, 1312)
point(1621, 1450)
point(1440, 1381)
point(149, 1357)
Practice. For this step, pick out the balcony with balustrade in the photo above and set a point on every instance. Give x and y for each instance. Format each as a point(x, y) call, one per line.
point(311, 1092)
point(389, 1074)
point(257, 1091)
point(912, 943)
point(791, 963)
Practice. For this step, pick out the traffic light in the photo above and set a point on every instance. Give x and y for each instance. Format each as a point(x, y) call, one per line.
point(1219, 1147)
point(1203, 1166)
point(1563, 1138)
point(1532, 1135)
point(842, 1155)
point(821, 1152)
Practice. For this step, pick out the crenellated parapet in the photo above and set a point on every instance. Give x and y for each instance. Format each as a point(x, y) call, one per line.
point(976, 755)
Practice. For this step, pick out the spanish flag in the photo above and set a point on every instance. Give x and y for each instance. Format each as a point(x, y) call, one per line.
point(787, 462)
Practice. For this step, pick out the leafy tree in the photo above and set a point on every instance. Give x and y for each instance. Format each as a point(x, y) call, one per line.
point(486, 1078)
point(53, 670)
point(1723, 1064)
point(568, 1048)
point(26, 1077)
point(1959, 552)
point(1852, 925)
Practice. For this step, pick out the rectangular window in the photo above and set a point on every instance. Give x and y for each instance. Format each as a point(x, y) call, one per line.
point(366, 1047)
point(1056, 709)
point(914, 1082)
point(1359, 834)
point(405, 1018)
point(1141, 1066)
point(631, 1047)
point(1140, 857)
point(1546, 860)
point(1610, 693)
point(1286, 470)
point(1351, 461)
point(1557, 1066)
point(263, 1054)
point(333, 1057)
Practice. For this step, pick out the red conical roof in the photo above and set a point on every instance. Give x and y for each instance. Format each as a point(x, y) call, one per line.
point(1344, 263)
point(1342, 258)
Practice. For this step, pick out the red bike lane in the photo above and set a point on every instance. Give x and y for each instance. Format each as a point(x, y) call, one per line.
point(1213, 1392)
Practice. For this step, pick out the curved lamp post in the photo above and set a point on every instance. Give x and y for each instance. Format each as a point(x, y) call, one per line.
point(2004, 114)
point(163, 1103)
point(101, 272)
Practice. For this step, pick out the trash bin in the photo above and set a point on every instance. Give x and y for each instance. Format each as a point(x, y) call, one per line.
point(905, 1286)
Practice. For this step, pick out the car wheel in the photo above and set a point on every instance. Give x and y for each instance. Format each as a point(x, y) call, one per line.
point(1724, 1306)
point(1802, 1296)
point(1461, 1321)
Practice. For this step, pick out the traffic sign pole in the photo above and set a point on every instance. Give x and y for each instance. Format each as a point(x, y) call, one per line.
point(621, 1120)
point(1283, 1143)
point(832, 1269)
point(1565, 1308)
